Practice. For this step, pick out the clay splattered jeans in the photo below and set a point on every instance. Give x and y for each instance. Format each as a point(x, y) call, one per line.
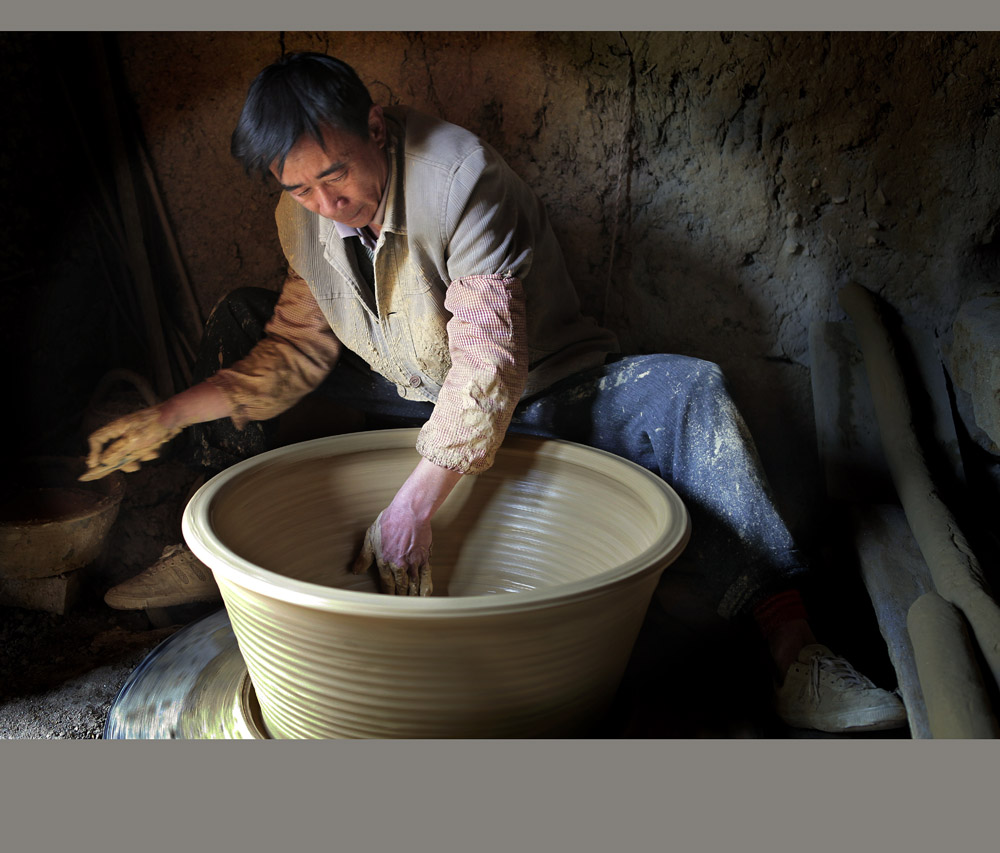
point(670, 414)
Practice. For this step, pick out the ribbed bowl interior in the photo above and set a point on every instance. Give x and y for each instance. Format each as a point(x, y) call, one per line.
point(543, 567)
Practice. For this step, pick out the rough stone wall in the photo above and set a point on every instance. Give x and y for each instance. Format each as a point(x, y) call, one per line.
point(712, 191)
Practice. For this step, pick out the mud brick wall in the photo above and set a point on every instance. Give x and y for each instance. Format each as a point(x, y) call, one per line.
point(712, 191)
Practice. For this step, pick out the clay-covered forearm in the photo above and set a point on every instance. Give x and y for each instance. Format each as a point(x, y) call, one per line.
point(198, 404)
point(423, 492)
point(487, 338)
point(295, 355)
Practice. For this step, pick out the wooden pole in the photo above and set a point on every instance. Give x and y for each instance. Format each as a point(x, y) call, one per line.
point(187, 291)
point(135, 244)
point(956, 572)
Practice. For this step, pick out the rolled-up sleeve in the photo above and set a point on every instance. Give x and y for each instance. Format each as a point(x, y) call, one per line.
point(489, 367)
point(490, 243)
point(297, 352)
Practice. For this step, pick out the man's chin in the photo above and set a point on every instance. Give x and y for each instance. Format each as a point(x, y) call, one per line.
point(359, 221)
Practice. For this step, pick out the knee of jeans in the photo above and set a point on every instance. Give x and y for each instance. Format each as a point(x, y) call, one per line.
point(236, 323)
point(694, 373)
point(243, 312)
point(711, 374)
point(702, 387)
point(674, 380)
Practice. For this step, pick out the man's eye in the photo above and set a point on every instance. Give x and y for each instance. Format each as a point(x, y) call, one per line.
point(302, 193)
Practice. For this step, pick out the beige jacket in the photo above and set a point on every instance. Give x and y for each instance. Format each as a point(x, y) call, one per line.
point(473, 308)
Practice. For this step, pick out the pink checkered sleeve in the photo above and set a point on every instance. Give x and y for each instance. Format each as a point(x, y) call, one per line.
point(296, 354)
point(487, 336)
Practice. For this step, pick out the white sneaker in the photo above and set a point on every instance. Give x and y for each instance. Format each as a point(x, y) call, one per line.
point(823, 691)
point(177, 577)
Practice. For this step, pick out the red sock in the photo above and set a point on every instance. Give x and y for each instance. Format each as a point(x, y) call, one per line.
point(777, 610)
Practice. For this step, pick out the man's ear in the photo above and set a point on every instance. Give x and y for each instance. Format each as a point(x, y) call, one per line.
point(376, 125)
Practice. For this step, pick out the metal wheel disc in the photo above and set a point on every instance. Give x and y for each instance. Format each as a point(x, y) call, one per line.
point(193, 686)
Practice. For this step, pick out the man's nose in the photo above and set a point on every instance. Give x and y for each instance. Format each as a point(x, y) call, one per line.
point(329, 202)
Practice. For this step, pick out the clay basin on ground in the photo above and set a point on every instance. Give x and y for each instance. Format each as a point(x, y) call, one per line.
point(51, 524)
point(543, 568)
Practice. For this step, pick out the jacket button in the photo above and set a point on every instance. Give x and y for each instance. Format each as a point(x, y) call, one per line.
point(414, 381)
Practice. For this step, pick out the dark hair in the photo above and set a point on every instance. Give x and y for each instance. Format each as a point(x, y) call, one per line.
point(300, 93)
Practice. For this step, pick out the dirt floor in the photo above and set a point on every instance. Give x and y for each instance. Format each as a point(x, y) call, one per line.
point(59, 674)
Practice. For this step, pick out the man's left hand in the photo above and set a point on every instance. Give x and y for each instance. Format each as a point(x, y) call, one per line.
point(399, 541)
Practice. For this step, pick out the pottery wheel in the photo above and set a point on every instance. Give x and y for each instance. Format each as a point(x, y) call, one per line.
point(193, 686)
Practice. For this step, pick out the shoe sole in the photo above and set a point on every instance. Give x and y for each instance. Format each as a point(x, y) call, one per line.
point(146, 603)
point(835, 725)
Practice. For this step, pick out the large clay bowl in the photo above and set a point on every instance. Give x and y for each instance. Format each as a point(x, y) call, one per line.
point(50, 523)
point(543, 569)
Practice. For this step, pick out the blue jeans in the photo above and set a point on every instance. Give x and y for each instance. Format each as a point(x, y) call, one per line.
point(671, 414)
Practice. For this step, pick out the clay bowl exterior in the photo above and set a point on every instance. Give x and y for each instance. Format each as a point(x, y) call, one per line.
point(543, 569)
point(50, 523)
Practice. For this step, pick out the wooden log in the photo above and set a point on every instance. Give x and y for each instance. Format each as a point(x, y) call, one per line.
point(850, 449)
point(895, 575)
point(955, 570)
point(847, 434)
point(957, 702)
point(131, 220)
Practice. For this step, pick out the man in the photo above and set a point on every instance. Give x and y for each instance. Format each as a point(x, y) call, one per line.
point(425, 282)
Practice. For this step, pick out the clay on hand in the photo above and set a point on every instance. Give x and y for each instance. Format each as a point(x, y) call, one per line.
point(394, 578)
point(126, 442)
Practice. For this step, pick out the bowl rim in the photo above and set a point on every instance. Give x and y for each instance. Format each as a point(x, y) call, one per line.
point(229, 567)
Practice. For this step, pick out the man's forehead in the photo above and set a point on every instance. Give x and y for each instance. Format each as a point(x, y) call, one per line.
point(323, 157)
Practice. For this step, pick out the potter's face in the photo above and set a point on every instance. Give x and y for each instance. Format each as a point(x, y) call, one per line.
point(343, 178)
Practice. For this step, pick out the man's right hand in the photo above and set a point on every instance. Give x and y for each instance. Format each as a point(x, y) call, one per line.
point(126, 442)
